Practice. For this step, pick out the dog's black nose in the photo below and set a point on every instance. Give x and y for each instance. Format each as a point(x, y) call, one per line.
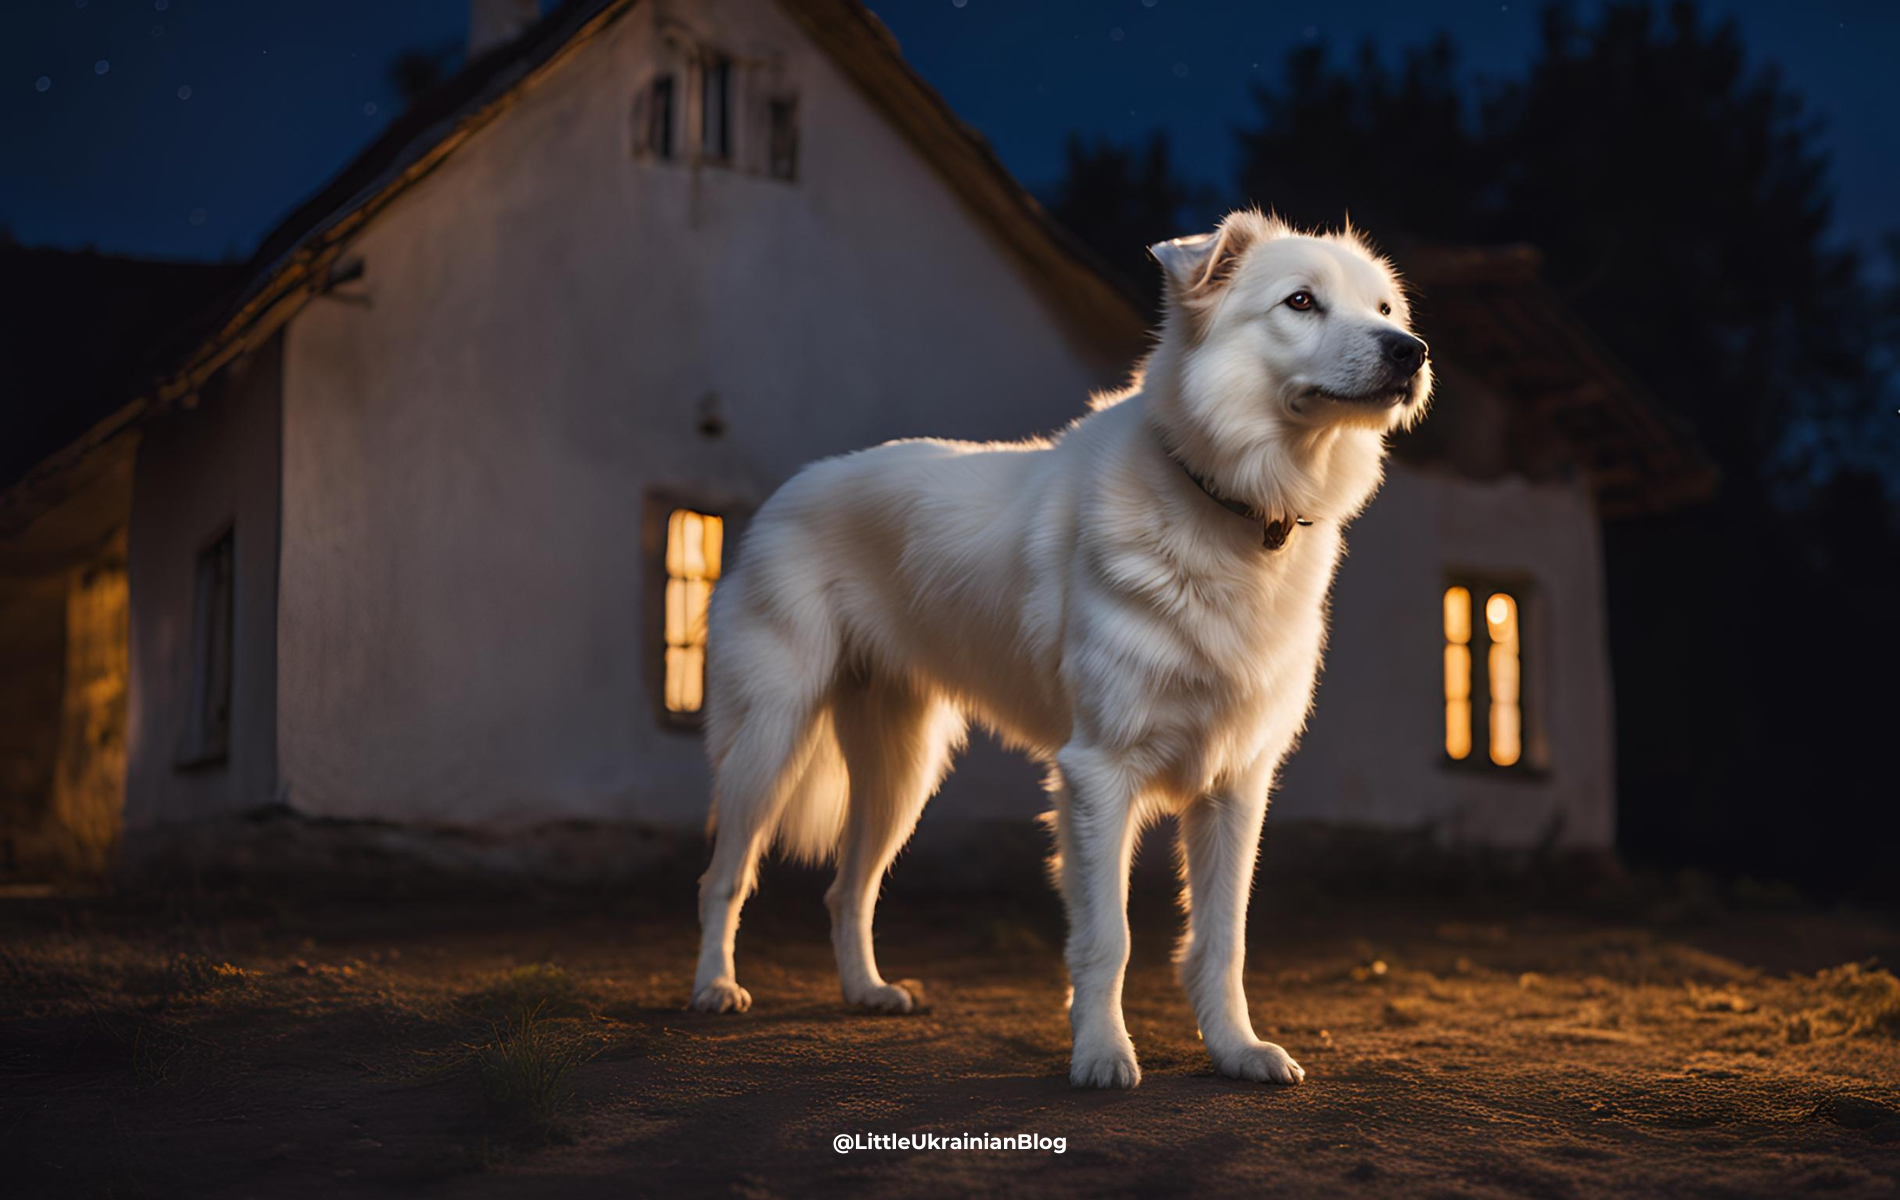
point(1405, 352)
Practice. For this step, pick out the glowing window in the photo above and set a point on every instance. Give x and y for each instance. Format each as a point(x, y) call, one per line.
point(1484, 673)
point(694, 543)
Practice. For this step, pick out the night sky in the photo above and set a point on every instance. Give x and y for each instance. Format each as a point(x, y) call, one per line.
point(187, 128)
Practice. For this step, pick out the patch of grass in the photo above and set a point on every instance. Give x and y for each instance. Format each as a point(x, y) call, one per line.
point(185, 977)
point(194, 976)
point(524, 1069)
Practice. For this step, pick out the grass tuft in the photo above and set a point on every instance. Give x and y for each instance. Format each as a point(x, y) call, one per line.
point(524, 1068)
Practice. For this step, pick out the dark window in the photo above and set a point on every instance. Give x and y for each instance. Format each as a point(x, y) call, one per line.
point(782, 162)
point(1486, 673)
point(208, 719)
point(716, 111)
point(659, 131)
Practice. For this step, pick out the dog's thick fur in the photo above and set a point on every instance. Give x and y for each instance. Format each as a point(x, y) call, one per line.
point(1089, 600)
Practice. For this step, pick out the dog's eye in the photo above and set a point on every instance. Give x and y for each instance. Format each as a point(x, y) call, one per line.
point(1300, 301)
point(1385, 310)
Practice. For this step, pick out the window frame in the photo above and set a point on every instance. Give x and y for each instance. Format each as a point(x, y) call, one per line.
point(205, 740)
point(723, 68)
point(659, 123)
point(1533, 760)
point(655, 513)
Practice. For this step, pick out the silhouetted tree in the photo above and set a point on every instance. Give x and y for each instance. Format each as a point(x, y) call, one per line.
point(1395, 150)
point(1120, 200)
point(1664, 182)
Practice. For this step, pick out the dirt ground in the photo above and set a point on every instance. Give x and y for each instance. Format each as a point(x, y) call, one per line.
point(214, 1047)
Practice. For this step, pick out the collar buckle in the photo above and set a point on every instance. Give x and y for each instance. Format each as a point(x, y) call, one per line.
point(1274, 531)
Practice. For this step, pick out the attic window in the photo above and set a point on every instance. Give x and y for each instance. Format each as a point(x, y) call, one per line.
point(715, 114)
point(1484, 671)
point(657, 136)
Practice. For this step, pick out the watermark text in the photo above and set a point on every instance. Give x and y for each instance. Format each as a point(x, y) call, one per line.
point(846, 1143)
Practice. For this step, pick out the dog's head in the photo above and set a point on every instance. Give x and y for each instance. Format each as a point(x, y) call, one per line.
point(1312, 329)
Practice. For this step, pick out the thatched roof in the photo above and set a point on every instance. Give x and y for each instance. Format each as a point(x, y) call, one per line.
point(1489, 313)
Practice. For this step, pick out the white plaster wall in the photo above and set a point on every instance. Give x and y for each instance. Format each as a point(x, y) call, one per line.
point(468, 443)
point(1374, 751)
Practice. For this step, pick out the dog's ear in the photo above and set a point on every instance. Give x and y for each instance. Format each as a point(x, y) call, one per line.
point(1198, 267)
point(1187, 261)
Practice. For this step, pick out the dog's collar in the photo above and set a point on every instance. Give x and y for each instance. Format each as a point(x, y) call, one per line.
point(1274, 531)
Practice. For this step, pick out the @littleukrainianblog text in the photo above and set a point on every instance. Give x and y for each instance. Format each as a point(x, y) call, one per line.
point(845, 1143)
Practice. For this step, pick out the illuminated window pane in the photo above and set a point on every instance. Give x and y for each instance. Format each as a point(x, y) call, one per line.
point(695, 544)
point(676, 543)
point(685, 678)
point(1500, 613)
point(1505, 743)
point(1500, 617)
point(692, 546)
point(1457, 615)
point(1458, 728)
point(712, 536)
point(1504, 673)
point(1457, 672)
point(676, 612)
point(698, 596)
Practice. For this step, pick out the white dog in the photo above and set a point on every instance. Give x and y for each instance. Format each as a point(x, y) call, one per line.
point(1139, 602)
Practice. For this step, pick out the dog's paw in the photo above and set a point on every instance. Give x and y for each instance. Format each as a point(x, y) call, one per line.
point(1104, 1063)
point(904, 996)
point(1262, 1062)
point(721, 995)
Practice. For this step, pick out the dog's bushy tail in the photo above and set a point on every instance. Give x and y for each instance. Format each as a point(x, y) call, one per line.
point(779, 775)
point(811, 820)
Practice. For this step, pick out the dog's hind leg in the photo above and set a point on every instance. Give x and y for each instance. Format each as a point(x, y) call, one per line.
point(758, 777)
point(897, 745)
point(1220, 840)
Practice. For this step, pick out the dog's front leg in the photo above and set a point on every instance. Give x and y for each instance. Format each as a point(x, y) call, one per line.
point(1096, 832)
point(1220, 839)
